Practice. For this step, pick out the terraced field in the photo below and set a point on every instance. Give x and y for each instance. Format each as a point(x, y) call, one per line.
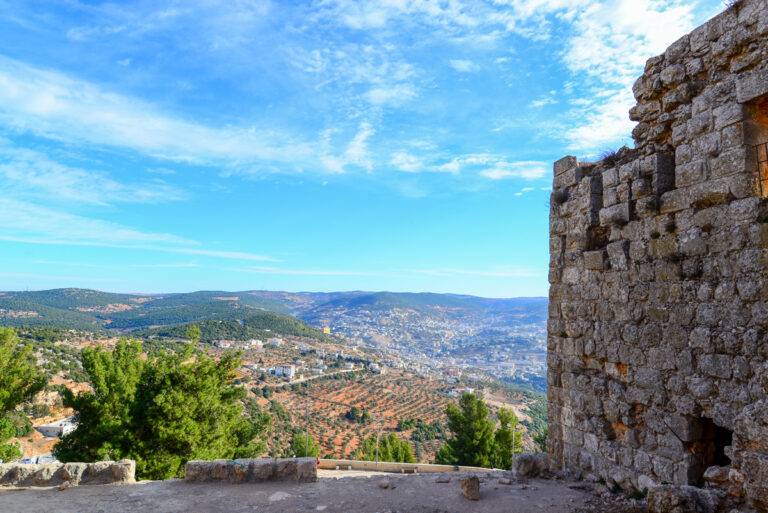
point(389, 398)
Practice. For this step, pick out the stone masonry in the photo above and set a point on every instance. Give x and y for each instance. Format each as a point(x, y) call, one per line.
point(658, 325)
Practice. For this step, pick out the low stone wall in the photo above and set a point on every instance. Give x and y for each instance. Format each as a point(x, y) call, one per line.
point(300, 470)
point(54, 474)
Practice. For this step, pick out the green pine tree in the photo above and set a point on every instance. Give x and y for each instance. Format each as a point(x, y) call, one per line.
point(161, 412)
point(507, 440)
point(299, 447)
point(194, 334)
point(20, 380)
point(472, 440)
point(391, 448)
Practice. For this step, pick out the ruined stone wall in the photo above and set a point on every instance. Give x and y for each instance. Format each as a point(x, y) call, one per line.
point(658, 326)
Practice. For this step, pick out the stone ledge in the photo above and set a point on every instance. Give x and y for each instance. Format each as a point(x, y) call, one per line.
point(52, 474)
point(301, 470)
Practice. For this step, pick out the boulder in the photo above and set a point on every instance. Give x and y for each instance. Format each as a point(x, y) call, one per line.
point(262, 469)
point(470, 487)
point(683, 499)
point(531, 465)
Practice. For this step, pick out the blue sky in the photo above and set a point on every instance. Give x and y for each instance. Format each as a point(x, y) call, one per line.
point(161, 146)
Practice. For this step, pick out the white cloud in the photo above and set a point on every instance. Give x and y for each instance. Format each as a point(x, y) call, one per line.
point(464, 66)
point(356, 153)
point(34, 224)
point(406, 162)
point(53, 105)
point(302, 272)
point(32, 173)
point(529, 170)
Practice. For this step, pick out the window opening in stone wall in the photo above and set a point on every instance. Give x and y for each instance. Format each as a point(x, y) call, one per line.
point(711, 446)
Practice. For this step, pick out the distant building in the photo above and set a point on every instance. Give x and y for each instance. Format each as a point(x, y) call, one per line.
point(452, 371)
point(327, 330)
point(275, 341)
point(58, 428)
point(317, 371)
point(349, 366)
point(224, 344)
point(299, 363)
point(289, 371)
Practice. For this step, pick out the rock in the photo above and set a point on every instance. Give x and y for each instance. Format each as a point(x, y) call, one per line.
point(505, 481)
point(64, 485)
point(683, 499)
point(306, 470)
point(470, 487)
point(716, 475)
point(73, 472)
point(262, 469)
point(384, 484)
point(531, 465)
point(443, 479)
point(124, 471)
point(197, 471)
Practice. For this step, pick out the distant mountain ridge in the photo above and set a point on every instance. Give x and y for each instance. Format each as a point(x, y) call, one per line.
point(96, 310)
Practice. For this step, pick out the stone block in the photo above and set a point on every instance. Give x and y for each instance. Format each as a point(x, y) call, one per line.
point(618, 214)
point(751, 85)
point(531, 465)
point(618, 254)
point(565, 164)
point(691, 173)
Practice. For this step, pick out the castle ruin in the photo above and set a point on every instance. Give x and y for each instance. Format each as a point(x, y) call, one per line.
point(658, 324)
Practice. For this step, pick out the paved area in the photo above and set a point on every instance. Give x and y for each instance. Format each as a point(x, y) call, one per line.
point(335, 491)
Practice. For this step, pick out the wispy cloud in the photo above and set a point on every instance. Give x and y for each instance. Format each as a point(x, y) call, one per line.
point(33, 173)
point(499, 273)
point(34, 224)
point(304, 272)
point(464, 66)
point(530, 170)
point(53, 105)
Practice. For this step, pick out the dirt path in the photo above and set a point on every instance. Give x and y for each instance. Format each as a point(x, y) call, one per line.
point(350, 493)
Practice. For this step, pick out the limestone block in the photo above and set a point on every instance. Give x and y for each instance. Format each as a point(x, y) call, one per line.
point(73, 472)
point(47, 475)
point(531, 465)
point(751, 85)
point(691, 173)
point(672, 75)
point(618, 214)
point(618, 254)
point(470, 487)
point(124, 471)
point(729, 114)
point(261, 469)
point(565, 164)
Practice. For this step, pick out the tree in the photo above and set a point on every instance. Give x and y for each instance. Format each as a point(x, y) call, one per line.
point(299, 448)
point(161, 412)
point(540, 439)
point(507, 440)
point(391, 448)
point(20, 380)
point(194, 334)
point(472, 441)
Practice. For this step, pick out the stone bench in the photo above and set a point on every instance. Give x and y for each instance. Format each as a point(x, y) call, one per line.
point(300, 470)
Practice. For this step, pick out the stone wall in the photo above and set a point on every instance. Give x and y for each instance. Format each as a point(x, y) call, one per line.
point(300, 470)
point(657, 336)
point(54, 474)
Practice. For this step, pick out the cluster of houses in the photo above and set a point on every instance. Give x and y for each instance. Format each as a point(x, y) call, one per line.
point(248, 344)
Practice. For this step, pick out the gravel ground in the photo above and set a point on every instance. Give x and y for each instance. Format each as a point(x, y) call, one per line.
point(335, 491)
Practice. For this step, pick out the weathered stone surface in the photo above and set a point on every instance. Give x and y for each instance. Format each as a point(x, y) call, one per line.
point(301, 470)
point(531, 465)
point(470, 487)
point(685, 499)
point(103, 472)
point(658, 305)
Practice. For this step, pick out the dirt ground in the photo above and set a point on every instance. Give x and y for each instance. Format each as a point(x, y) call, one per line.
point(335, 491)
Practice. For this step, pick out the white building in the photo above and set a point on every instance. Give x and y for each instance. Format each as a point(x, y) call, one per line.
point(224, 344)
point(349, 366)
point(58, 428)
point(275, 341)
point(289, 371)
